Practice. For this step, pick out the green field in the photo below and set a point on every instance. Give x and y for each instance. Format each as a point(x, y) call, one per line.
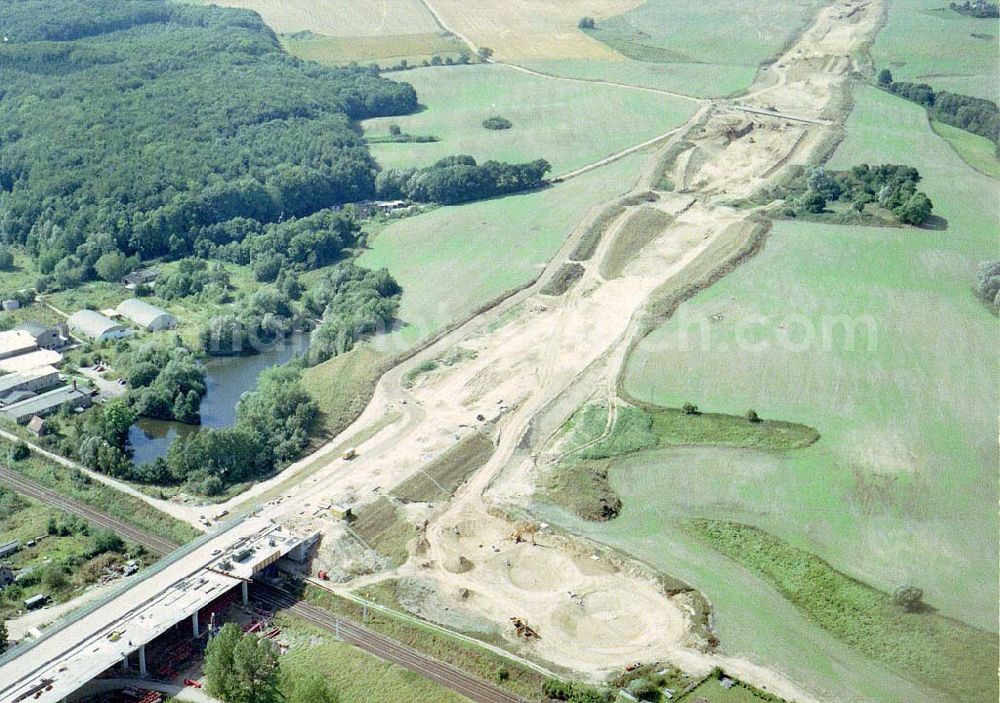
point(936, 650)
point(979, 152)
point(703, 49)
point(569, 124)
point(384, 50)
point(481, 250)
point(355, 675)
point(900, 487)
point(925, 41)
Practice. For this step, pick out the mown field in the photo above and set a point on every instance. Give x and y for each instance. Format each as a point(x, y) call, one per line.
point(567, 123)
point(481, 250)
point(342, 18)
point(695, 48)
point(384, 49)
point(925, 41)
point(901, 486)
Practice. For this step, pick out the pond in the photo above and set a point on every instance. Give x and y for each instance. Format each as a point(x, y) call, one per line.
point(227, 379)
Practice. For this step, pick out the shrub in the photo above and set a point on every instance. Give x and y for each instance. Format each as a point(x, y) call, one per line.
point(586, 23)
point(690, 409)
point(752, 416)
point(497, 122)
point(19, 452)
point(909, 598)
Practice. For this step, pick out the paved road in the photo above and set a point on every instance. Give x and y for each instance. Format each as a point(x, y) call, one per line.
point(459, 681)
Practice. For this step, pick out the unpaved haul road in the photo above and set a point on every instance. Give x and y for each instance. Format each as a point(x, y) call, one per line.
point(594, 616)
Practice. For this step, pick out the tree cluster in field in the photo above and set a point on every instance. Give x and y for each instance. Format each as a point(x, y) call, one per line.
point(497, 122)
point(980, 9)
point(891, 187)
point(129, 127)
point(266, 317)
point(975, 115)
point(988, 283)
point(398, 136)
point(165, 380)
point(245, 668)
point(459, 179)
point(586, 23)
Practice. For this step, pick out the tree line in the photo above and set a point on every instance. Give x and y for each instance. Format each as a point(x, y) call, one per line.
point(975, 115)
point(459, 179)
point(980, 9)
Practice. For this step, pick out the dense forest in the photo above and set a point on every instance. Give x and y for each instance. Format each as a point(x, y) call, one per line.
point(974, 115)
point(156, 128)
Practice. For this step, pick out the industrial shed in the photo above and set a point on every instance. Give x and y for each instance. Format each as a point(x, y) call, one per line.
point(16, 342)
point(147, 316)
point(93, 325)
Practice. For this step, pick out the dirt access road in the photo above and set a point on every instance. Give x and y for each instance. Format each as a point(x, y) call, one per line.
point(594, 616)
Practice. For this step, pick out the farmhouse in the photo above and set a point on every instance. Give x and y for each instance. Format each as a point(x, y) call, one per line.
point(147, 316)
point(47, 403)
point(33, 380)
point(45, 337)
point(93, 325)
point(15, 343)
point(140, 277)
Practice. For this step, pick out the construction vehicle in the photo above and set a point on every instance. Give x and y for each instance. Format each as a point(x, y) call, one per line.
point(522, 629)
point(115, 635)
point(350, 454)
point(323, 576)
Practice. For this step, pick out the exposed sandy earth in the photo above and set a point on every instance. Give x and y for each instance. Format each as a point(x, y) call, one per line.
point(517, 30)
point(531, 349)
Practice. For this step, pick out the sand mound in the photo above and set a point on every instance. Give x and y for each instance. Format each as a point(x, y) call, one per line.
point(457, 565)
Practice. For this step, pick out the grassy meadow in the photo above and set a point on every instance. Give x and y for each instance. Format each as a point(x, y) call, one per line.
point(979, 152)
point(703, 49)
point(925, 41)
point(569, 124)
point(480, 250)
point(901, 486)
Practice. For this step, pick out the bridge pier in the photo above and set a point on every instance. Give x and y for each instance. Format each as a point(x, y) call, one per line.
point(142, 660)
point(245, 588)
point(125, 662)
point(194, 625)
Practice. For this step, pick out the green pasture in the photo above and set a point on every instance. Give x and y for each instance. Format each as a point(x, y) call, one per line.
point(901, 486)
point(452, 260)
point(925, 41)
point(385, 50)
point(702, 49)
point(979, 152)
point(568, 123)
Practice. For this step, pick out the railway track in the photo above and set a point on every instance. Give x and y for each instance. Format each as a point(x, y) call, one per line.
point(471, 687)
point(26, 486)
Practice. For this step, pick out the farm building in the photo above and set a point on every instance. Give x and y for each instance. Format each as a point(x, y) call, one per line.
point(93, 325)
point(147, 316)
point(33, 380)
point(31, 360)
point(15, 343)
point(140, 277)
point(36, 426)
point(45, 337)
point(47, 403)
